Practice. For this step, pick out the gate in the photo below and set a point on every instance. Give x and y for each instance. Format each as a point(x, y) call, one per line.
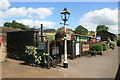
point(56, 52)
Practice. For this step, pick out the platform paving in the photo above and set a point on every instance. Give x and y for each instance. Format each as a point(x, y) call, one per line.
point(104, 66)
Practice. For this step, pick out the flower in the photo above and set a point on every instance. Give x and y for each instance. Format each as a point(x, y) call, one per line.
point(68, 29)
point(59, 40)
point(64, 33)
point(61, 28)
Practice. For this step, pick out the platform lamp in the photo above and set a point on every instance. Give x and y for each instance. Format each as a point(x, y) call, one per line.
point(65, 16)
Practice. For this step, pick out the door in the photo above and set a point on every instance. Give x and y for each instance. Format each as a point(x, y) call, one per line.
point(77, 49)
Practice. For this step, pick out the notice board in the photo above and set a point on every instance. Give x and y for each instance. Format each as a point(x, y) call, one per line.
point(55, 50)
point(42, 46)
point(85, 47)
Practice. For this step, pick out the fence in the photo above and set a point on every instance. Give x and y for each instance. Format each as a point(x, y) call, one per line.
point(74, 49)
point(17, 42)
point(79, 48)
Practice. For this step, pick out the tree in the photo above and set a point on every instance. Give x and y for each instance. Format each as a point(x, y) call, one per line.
point(53, 30)
point(8, 24)
point(81, 30)
point(91, 33)
point(102, 28)
point(15, 24)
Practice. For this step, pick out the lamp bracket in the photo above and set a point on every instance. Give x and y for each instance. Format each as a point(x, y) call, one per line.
point(64, 24)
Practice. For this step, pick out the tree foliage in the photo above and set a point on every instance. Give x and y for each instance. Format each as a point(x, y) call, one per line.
point(91, 33)
point(15, 24)
point(81, 30)
point(8, 24)
point(102, 28)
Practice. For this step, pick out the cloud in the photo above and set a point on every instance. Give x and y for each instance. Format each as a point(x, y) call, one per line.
point(4, 4)
point(39, 13)
point(104, 16)
point(36, 23)
point(15, 12)
point(1, 22)
point(25, 14)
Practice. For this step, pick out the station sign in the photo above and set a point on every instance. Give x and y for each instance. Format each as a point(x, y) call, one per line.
point(98, 38)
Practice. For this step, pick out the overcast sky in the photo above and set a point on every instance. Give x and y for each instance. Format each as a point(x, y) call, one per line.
point(88, 14)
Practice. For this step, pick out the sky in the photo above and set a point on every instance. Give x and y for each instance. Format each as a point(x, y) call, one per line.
point(64, 0)
point(87, 14)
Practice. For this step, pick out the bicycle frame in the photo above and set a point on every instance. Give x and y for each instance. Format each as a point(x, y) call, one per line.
point(40, 57)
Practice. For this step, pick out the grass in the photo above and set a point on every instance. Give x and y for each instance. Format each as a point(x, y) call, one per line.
point(51, 36)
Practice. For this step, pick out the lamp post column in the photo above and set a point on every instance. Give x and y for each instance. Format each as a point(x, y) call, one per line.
point(65, 64)
point(65, 16)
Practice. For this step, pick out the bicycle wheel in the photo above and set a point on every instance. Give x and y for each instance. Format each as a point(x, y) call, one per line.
point(49, 62)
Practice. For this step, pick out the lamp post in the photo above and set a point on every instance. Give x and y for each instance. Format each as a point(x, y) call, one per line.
point(65, 16)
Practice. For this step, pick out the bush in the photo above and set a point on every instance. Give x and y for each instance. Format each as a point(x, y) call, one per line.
point(112, 44)
point(97, 47)
point(104, 46)
point(96, 52)
point(118, 43)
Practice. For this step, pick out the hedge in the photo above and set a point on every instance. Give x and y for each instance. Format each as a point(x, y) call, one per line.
point(99, 47)
point(104, 46)
point(112, 44)
point(96, 47)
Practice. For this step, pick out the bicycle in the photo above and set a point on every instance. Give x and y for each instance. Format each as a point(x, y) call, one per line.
point(43, 59)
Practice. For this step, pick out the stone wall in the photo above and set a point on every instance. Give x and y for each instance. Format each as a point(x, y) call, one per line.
point(3, 45)
point(3, 52)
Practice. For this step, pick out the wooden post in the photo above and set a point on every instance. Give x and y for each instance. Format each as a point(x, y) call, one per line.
point(35, 40)
point(36, 44)
point(73, 51)
point(79, 49)
point(48, 45)
point(41, 32)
